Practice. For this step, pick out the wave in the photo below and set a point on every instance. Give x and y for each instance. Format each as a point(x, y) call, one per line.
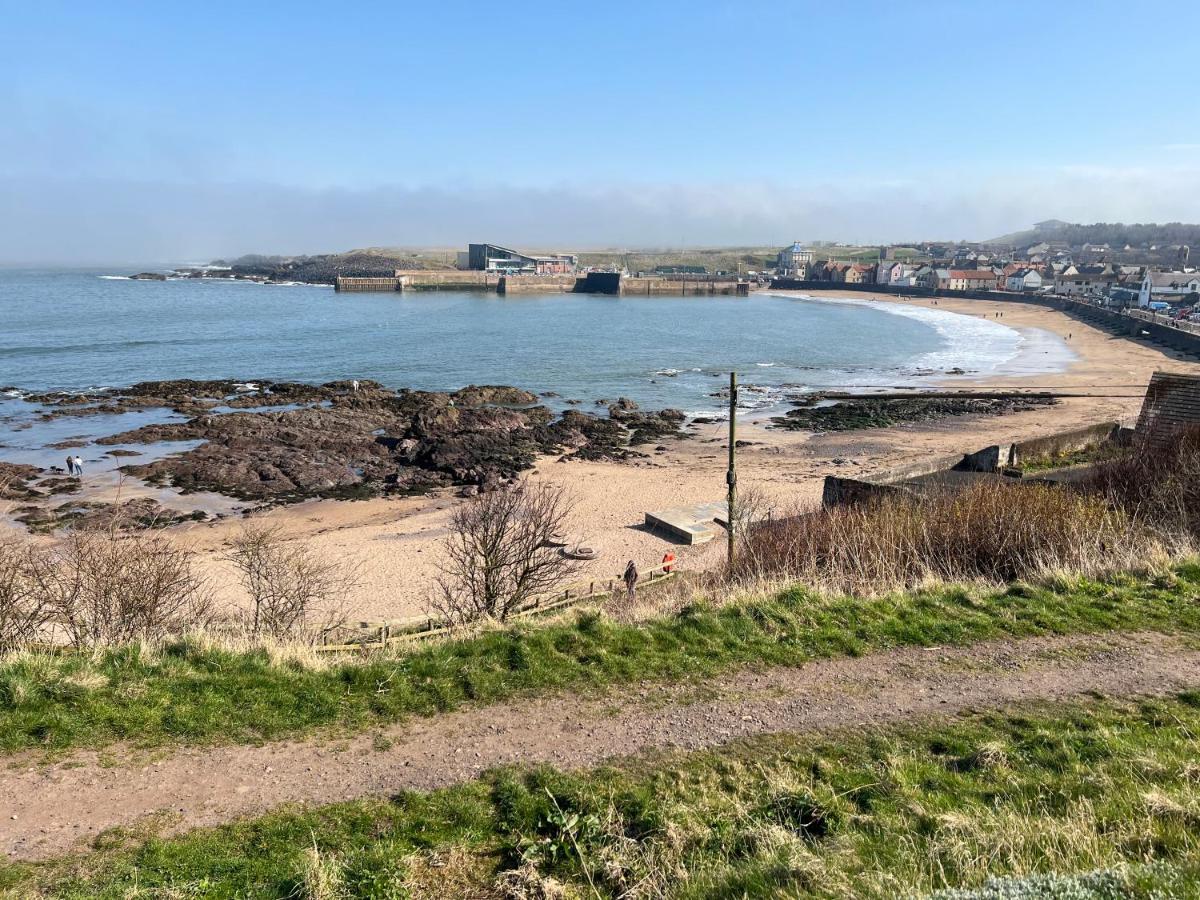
point(99, 347)
point(973, 344)
point(115, 277)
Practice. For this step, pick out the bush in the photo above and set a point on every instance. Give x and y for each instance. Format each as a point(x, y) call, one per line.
point(992, 531)
point(105, 588)
point(1159, 488)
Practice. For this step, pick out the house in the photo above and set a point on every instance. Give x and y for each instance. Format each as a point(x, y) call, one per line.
point(859, 274)
point(1082, 284)
point(1169, 287)
point(1024, 280)
point(888, 272)
point(926, 277)
point(794, 261)
point(943, 279)
point(972, 280)
point(493, 258)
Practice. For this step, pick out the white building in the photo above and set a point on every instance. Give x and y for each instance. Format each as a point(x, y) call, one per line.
point(1024, 280)
point(1169, 287)
point(794, 260)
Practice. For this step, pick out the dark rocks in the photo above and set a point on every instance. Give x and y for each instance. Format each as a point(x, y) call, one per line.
point(143, 512)
point(14, 481)
point(870, 412)
point(493, 395)
point(373, 441)
point(148, 276)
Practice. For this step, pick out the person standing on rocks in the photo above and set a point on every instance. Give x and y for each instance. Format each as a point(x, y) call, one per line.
point(631, 580)
point(354, 385)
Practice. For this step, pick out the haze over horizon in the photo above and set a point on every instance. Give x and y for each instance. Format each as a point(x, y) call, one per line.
point(149, 134)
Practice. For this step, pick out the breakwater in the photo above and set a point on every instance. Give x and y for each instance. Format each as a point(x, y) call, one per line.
point(588, 283)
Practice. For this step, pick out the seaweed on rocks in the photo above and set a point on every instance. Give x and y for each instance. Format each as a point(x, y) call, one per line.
point(872, 412)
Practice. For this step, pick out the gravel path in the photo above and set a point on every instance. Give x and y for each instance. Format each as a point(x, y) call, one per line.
point(47, 810)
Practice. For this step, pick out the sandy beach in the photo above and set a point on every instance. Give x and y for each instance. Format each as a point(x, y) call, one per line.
point(397, 541)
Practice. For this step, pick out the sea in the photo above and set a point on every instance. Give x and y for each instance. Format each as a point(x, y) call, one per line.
point(73, 330)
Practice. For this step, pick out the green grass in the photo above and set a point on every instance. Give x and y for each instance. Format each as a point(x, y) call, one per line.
point(1105, 795)
point(190, 693)
point(1085, 456)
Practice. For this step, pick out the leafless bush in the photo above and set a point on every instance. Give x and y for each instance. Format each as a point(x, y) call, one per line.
point(24, 612)
point(103, 587)
point(1159, 488)
point(988, 532)
point(294, 593)
point(498, 555)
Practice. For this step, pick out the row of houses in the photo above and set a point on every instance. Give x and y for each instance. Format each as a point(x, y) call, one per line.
point(1120, 284)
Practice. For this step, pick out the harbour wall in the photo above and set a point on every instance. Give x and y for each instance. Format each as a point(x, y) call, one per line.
point(588, 283)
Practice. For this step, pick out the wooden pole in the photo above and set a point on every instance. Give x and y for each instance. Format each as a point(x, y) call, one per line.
point(731, 475)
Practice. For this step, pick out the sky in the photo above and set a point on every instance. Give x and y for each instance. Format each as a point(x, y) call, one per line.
point(178, 132)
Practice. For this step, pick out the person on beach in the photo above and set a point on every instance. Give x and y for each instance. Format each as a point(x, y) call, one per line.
point(78, 466)
point(631, 580)
point(354, 385)
point(70, 465)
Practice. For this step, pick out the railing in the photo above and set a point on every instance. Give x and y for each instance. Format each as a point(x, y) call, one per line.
point(1149, 316)
point(382, 633)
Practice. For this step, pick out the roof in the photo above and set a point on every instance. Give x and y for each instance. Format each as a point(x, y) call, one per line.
point(1173, 279)
point(973, 274)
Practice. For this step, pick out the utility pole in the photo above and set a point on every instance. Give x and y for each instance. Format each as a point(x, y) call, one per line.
point(731, 475)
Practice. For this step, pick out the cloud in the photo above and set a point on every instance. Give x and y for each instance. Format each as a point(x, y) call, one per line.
point(90, 220)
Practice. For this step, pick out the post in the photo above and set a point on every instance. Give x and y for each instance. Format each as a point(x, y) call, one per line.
point(731, 475)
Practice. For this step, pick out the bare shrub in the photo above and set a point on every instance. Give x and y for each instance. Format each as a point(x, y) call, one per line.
point(989, 532)
point(1158, 488)
point(24, 612)
point(105, 588)
point(498, 555)
point(294, 594)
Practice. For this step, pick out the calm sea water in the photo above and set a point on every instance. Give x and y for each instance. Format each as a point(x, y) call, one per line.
point(72, 330)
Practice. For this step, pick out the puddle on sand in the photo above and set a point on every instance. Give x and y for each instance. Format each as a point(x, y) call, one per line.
point(26, 438)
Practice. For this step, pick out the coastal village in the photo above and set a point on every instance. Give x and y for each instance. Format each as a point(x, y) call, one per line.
point(1160, 278)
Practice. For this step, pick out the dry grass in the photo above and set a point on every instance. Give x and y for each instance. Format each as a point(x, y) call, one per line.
point(992, 533)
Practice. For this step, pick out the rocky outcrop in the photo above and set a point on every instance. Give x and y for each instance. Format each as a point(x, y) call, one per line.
point(148, 276)
point(14, 481)
point(868, 412)
point(361, 443)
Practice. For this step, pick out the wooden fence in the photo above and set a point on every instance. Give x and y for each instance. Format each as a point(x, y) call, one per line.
point(348, 636)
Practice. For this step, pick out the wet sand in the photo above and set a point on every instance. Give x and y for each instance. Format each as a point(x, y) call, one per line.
point(397, 540)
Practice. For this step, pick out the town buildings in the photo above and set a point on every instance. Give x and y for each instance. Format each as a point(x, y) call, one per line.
point(1168, 287)
point(794, 261)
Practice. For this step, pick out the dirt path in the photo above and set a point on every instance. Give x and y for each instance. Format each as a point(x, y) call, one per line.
point(49, 810)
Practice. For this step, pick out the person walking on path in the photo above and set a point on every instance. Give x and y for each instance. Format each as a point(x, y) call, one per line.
point(631, 580)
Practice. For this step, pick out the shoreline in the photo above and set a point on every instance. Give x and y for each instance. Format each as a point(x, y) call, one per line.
point(397, 539)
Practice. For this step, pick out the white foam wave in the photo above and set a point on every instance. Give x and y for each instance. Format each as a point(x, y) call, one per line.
point(115, 277)
point(975, 345)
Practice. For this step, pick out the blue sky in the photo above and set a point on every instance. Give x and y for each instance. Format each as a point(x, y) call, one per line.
point(157, 130)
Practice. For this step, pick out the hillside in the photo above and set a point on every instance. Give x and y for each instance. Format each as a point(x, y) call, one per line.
point(323, 268)
point(1115, 234)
